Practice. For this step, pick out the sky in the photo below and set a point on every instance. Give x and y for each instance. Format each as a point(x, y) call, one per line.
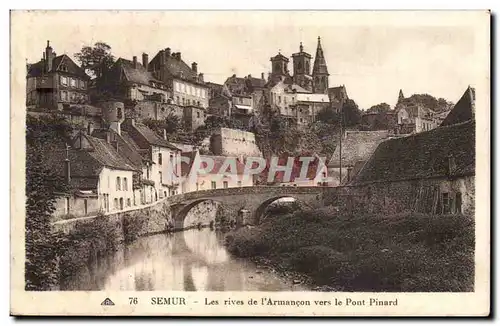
point(373, 55)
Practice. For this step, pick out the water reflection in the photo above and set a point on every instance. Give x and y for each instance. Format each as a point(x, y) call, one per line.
point(193, 260)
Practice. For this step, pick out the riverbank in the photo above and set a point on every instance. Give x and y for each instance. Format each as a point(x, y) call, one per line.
point(332, 251)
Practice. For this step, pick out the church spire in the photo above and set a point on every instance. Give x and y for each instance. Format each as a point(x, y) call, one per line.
point(319, 61)
point(400, 96)
point(320, 71)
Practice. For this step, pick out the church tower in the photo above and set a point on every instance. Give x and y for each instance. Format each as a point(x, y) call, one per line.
point(320, 71)
point(302, 68)
point(279, 67)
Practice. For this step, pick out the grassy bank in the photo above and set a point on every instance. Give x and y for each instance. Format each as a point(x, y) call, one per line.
point(405, 252)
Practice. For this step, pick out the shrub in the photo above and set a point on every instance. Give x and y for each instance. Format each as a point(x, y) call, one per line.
point(367, 252)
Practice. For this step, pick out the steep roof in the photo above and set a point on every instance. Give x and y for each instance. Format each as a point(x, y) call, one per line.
point(38, 69)
point(319, 67)
point(150, 136)
point(423, 155)
point(357, 146)
point(138, 75)
point(86, 163)
point(463, 110)
point(175, 66)
point(337, 93)
point(107, 155)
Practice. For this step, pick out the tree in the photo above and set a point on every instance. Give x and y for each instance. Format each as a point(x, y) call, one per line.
point(328, 115)
point(379, 108)
point(42, 184)
point(351, 114)
point(95, 59)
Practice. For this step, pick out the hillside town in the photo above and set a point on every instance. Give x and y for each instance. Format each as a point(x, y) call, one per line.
point(121, 154)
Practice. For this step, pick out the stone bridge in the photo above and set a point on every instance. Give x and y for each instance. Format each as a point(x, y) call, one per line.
point(252, 199)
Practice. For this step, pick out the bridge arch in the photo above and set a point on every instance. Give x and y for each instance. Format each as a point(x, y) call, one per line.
point(259, 212)
point(183, 210)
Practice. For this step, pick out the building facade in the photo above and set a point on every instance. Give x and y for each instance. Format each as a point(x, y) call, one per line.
point(55, 82)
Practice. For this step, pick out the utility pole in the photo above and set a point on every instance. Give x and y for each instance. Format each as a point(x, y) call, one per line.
point(340, 142)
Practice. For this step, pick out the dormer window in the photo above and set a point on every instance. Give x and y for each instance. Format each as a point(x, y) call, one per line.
point(64, 68)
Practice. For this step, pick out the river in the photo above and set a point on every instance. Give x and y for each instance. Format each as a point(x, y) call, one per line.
point(192, 260)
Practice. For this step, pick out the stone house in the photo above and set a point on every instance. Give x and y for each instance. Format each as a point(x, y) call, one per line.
point(379, 120)
point(415, 118)
point(356, 149)
point(431, 172)
point(165, 169)
point(55, 82)
point(187, 85)
point(98, 176)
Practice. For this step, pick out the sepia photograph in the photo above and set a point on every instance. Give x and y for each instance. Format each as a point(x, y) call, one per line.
point(292, 154)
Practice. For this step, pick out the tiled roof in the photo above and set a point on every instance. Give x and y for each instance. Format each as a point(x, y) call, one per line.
point(37, 69)
point(107, 155)
point(137, 75)
point(151, 137)
point(423, 155)
point(296, 88)
point(463, 110)
point(357, 146)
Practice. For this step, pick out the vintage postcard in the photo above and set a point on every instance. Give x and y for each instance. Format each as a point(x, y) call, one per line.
point(250, 163)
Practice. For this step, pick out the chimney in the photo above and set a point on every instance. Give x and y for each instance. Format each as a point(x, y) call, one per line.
point(145, 60)
point(167, 52)
point(48, 56)
point(200, 78)
point(134, 61)
point(165, 134)
point(249, 76)
point(67, 171)
point(178, 56)
point(194, 67)
point(262, 76)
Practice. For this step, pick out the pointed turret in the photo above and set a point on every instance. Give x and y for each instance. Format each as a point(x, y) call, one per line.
point(320, 71)
point(400, 96)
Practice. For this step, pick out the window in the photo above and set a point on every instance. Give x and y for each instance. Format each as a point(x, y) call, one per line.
point(161, 177)
point(160, 161)
point(85, 206)
point(279, 99)
point(72, 82)
point(197, 114)
point(119, 113)
point(183, 101)
point(214, 185)
point(239, 183)
point(82, 84)
point(458, 202)
point(128, 202)
point(177, 99)
point(118, 184)
point(64, 96)
point(199, 103)
point(125, 184)
point(446, 203)
point(115, 203)
point(64, 80)
point(225, 184)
